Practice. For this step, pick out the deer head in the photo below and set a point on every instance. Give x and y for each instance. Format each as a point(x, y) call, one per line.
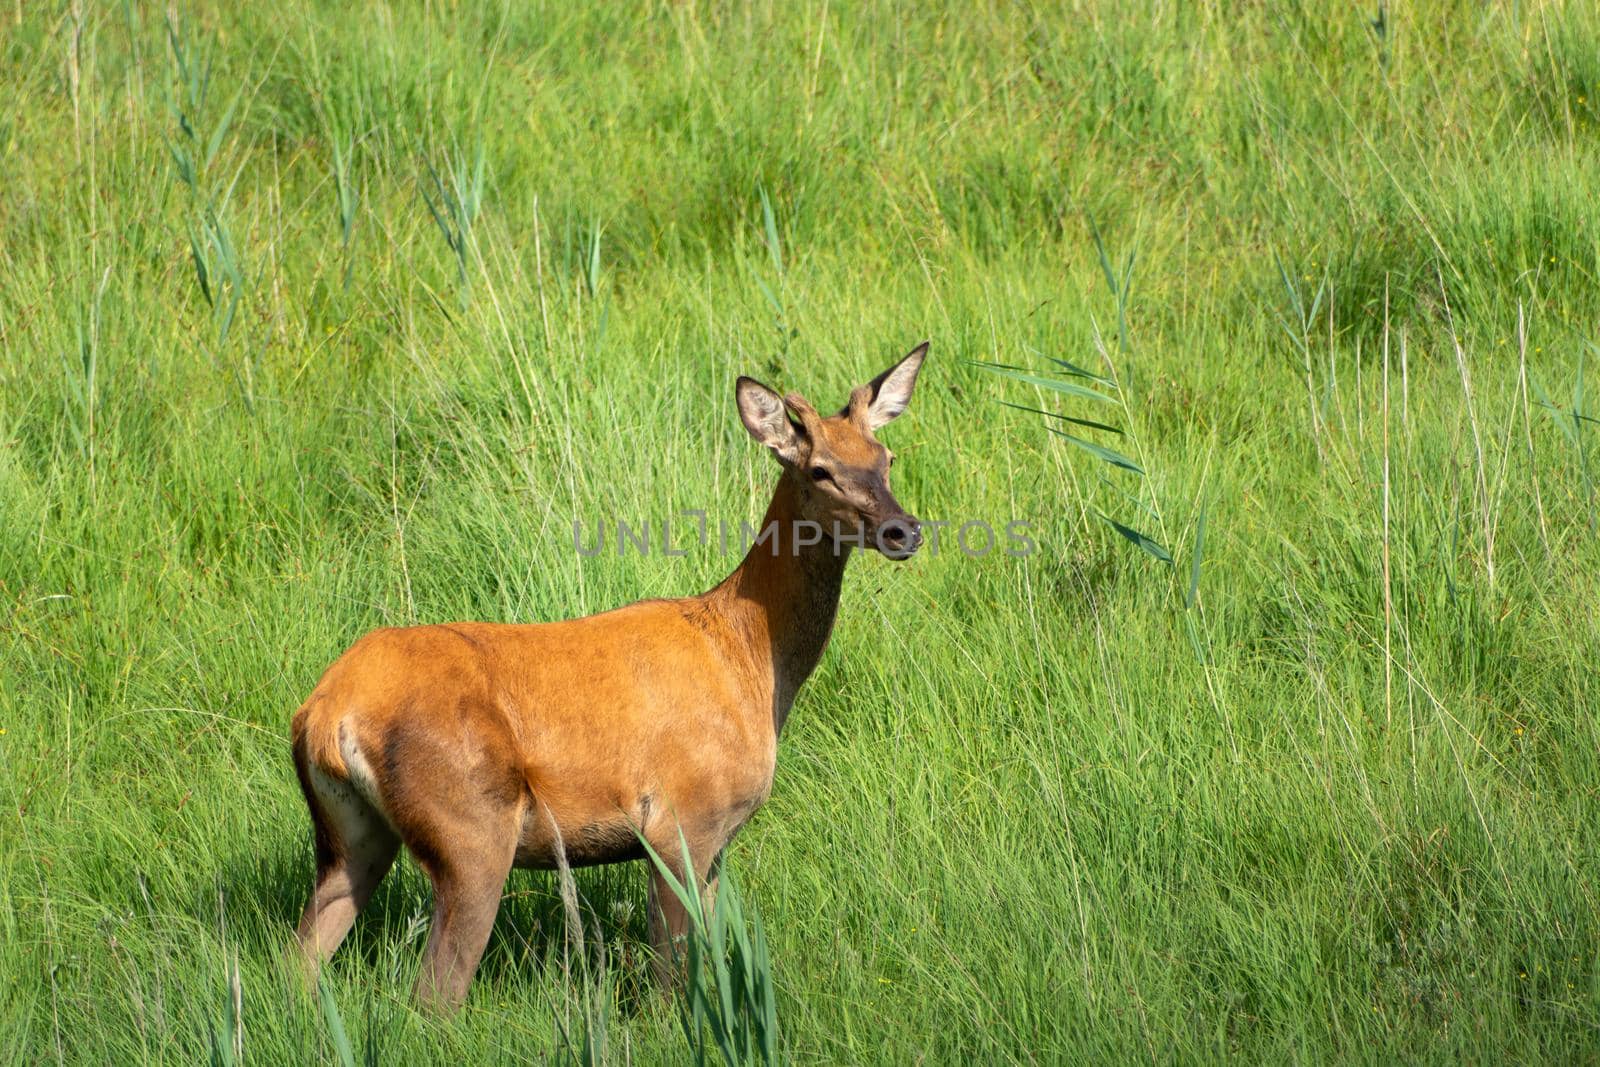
point(839, 469)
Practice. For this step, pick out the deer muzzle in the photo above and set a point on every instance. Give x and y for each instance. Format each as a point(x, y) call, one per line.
point(899, 536)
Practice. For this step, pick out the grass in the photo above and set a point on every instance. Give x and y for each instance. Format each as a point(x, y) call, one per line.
point(344, 318)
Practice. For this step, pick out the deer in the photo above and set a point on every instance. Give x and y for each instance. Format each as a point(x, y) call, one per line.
point(484, 747)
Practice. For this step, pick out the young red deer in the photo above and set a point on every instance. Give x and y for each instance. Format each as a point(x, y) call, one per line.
point(488, 746)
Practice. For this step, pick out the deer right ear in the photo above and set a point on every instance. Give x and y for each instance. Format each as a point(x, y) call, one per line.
point(890, 392)
point(765, 417)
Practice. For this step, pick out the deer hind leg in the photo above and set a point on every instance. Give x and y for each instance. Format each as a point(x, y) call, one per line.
point(355, 848)
point(466, 897)
point(463, 830)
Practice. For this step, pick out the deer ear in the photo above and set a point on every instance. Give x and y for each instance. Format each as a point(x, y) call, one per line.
point(891, 390)
point(764, 415)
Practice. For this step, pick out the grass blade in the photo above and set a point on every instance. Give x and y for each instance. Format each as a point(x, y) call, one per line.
point(1111, 456)
point(1138, 539)
point(335, 1022)
point(770, 222)
point(1194, 559)
point(1067, 388)
point(1064, 418)
point(223, 126)
point(1074, 369)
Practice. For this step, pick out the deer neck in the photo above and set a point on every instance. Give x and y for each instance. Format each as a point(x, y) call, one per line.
point(783, 597)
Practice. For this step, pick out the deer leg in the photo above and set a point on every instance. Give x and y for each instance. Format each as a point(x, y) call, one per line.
point(463, 829)
point(354, 849)
point(668, 918)
point(468, 867)
point(466, 900)
point(669, 923)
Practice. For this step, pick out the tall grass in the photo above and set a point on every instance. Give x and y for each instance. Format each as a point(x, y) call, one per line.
point(319, 317)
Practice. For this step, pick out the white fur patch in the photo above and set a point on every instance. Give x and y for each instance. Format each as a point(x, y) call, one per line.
point(361, 778)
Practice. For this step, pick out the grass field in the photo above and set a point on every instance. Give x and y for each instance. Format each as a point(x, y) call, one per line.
point(315, 318)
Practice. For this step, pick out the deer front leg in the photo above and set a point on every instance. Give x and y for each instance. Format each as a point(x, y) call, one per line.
point(669, 919)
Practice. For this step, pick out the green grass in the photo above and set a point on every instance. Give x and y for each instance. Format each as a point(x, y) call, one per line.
point(343, 320)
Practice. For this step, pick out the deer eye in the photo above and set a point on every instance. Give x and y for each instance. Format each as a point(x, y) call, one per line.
point(819, 474)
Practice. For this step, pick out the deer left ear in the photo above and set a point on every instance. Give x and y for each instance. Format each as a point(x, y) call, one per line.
point(889, 393)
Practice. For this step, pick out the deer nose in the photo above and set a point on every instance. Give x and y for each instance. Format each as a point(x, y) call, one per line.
point(900, 536)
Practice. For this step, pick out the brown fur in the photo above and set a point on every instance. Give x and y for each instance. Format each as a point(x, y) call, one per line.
point(485, 746)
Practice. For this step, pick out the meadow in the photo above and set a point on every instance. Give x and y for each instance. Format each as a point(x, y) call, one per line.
point(319, 317)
